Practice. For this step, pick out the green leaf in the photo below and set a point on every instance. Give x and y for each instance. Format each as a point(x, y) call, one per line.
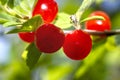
point(63, 20)
point(117, 39)
point(33, 23)
point(21, 10)
point(4, 17)
point(11, 23)
point(34, 3)
point(11, 3)
point(90, 61)
point(28, 26)
point(17, 30)
point(3, 2)
point(24, 7)
point(2, 20)
point(31, 55)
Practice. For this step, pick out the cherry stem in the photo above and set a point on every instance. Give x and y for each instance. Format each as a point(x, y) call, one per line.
point(85, 5)
point(75, 22)
point(76, 17)
point(98, 33)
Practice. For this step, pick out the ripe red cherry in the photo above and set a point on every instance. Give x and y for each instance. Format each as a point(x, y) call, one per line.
point(47, 9)
point(27, 36)
point(99, 25)
point(77, 45)
point(49, 38)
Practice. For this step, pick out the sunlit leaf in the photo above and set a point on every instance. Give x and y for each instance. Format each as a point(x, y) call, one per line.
point(21, 10)
point(6, 18)
point(26, 5)
point(11, 23)
point(4, 15)
point(31, 55)
point(2, 20)
point(24, 8)
point(33, 3)
point(28, 26)
point(63, 20)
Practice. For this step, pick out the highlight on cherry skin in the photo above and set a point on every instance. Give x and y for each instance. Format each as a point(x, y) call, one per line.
point(27, 36)
point(48, 9)
point(77, 45)
point(49, 38)
point(99, 25)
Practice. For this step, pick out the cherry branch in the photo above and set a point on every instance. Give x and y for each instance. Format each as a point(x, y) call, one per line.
point(98, 33)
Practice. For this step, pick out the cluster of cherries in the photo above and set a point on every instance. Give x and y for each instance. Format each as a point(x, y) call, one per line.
point(49, 38)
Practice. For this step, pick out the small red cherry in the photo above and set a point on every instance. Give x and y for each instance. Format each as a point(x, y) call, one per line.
point(77, 45)
point(27, 36)
point(47, 9)
point(99, 25)
point(49, 38)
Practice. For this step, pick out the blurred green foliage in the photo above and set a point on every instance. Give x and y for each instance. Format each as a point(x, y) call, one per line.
point(101, 64)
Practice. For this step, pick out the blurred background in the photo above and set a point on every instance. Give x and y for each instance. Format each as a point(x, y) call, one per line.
point(103, 63)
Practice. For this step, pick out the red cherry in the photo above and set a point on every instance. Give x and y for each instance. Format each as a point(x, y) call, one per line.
point(47, 9)
point(27, 36)
point(49, 38)
point(77, 45)
point(99, 25)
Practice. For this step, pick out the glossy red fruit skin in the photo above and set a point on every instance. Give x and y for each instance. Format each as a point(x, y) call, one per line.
point(48, 9)
point(77, 45)
point(27, 36)
point(99, 25)
point(49, 38)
